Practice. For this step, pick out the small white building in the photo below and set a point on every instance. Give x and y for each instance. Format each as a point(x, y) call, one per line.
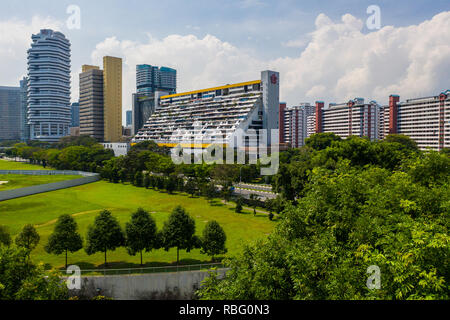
point(119, 148)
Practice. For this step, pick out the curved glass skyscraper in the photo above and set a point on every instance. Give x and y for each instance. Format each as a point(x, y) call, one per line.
point(49, 86)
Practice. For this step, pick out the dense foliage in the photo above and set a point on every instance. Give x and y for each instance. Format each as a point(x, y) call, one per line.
point(65, 237)
point(104, 234)
point(20, 279)
point(70, 153)
point(355, 204)
point(141, 233)
point(179, 231)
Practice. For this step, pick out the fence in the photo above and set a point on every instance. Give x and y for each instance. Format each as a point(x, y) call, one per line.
point(87, 177)
point(146, 270)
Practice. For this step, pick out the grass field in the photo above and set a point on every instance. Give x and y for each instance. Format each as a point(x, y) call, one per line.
point(85, 202)
point(16, 181)
point(11, 165)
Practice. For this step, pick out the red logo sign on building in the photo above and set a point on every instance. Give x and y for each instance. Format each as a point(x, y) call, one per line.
point(274, 79)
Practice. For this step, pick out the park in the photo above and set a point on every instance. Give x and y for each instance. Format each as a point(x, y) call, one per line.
point(85, 202)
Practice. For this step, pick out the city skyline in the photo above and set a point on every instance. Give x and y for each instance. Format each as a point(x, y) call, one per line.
point(308, 44)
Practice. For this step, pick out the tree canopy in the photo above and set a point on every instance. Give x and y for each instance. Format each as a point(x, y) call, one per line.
point(141, 233)
point(179, 232)
point(350, 212)
point(105, 234)
point(65, 238)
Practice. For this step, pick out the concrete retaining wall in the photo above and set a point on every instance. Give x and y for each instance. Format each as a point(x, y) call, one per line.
point(87, 177)
point(176, 285)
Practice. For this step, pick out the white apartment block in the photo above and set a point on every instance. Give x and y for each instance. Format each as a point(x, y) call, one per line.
point(425, 120)
point(354, 118)
point(295, 124)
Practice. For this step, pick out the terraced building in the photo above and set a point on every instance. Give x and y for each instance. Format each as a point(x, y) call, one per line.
point(214, 115)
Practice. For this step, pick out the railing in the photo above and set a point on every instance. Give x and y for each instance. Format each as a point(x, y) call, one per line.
point(146, 270)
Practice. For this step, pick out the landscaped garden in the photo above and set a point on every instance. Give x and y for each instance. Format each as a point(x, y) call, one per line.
point(85, 202)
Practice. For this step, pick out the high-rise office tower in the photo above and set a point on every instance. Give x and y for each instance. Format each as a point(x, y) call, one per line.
point(75, 115)
point(112, 99)
point(142, 108)
point(49, 86)
point(129, 119)
point(24, 128)
point(91, 102)
point(10, 106)
point(150, 79)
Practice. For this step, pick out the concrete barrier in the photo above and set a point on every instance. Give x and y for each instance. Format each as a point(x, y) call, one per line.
point(173, 285)
point(87, 177)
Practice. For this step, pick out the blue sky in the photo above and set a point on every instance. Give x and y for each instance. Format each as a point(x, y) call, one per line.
point(235, 40)
point(268, 23)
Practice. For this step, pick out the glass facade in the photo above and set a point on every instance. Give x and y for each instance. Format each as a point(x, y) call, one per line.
point(10, 107)
point(48, 111)
point(75, 115)
point(150, 79)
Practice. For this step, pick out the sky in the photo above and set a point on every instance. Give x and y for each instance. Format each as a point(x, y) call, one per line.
point(323, 49)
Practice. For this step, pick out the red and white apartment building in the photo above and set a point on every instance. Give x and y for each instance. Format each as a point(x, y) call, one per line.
point(425, 120)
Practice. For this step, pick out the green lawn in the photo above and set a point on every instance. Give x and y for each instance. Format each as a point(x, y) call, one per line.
point(84, 203)
point(15, 181)
point(11, 165)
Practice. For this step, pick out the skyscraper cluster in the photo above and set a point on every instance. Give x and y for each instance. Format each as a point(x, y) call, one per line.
point(150, 79)
point(101, 100)
point(40, 108)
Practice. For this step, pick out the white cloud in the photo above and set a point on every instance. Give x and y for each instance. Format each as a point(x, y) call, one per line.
point(200, 62)
point(339, 61)
point(296, 43)
point(15, 40)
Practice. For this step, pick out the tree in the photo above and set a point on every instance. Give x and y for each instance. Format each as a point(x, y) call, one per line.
point(320, 141)
point(254, 198)
point(22, 280)
point(138, 179)
point(210, 191)
point(159, 182)
point(269, 205)
point(213, 240)
point(191, 187)
point(170, 184)
point(227, 192)
point(153, 181)
point(404, 140)
point(105, 234)
point(179, 231)
point(5, 237)
point(65, 237)
point(28, 238)
point(141, 233)
point(278, 204)
point(349, 219)
point(239, 202)
point(146, 181)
